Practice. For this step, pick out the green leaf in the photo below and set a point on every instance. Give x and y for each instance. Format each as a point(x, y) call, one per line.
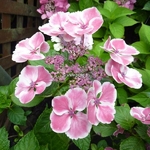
point(46, 136)
point(144, 33)
point(142, 132)
point(132, 143)
point(4, 142)
point(105, 130)
point(147, 66)
point(142, 47)
point(105, 12)
point(143, 98)
point(145, 76)
point(44, 147)
point(29, 141)
point(4, 102)
point(73, 7)
point(110, 5)
point(147, 6)
point(117, 30)
point(43, 122)
point(122, 96)
point(82, 60)
point(83, 144)
point(4, 90)
point(93, 146)
point(17, 115)
point(120, 12)
point(12, 85)
point(100, 33)
point(53, 140)
point(125, 21)
point(123, 117)
point(97, 50)
point(36, 100)
point(102, 144)
point(85, 4)
point(49, 91)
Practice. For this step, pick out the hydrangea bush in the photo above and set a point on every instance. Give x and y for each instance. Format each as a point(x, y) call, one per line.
point(90, 59)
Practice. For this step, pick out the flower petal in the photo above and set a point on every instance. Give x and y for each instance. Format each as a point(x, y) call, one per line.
point(30, 72)
point(132, 78)
point(78, 98)
point(118, 44)
point(96, 87)
point(40, 87)
point(137, 112)
point(26, 96)
point(60, 124)
point(91, 112)
point(44, 47)
point(60, 104)
point(80, 127)
point(108, 93)
point(44, 75)
point(122, 59)
point(36, 40)
point(105, 113)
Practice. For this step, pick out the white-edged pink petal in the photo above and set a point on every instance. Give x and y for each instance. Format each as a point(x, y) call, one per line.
point(44, 75)
point(40, 87)
point(60, 105)
point(130, 50)
point(90, 94)
point(96, 87)
point(46, 29)
point(91, 112)
point(122, 59)
point(108, 93)
point(107, 45)
point(60, 124)
point(118, 44)
point(105, 113)
point(30, 72)
point(78, 98)
point(80, 127)
point(44, 47)
point(137, 112)
point(26, 96)
point(36, 40)
point(108, 66)
point(33, 56)
point(115, 70)
point(131, 77)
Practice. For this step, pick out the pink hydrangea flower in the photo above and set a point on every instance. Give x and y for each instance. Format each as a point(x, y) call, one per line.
point(56, 25)
point(73, 26)
point(31, 48)
point(32, 80)
point(101, 101)
point(120, 51)
point(67, 117)
point(119, 130)
point(124, 74)
point(142, 114)
point(126, 3)
point(83, 22)
point(50, 7)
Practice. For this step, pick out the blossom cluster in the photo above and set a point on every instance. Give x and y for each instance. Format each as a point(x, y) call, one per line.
point(126, 3)
point(121, 56)
point(50, 7)
point(67, 116)
point(90, 100)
